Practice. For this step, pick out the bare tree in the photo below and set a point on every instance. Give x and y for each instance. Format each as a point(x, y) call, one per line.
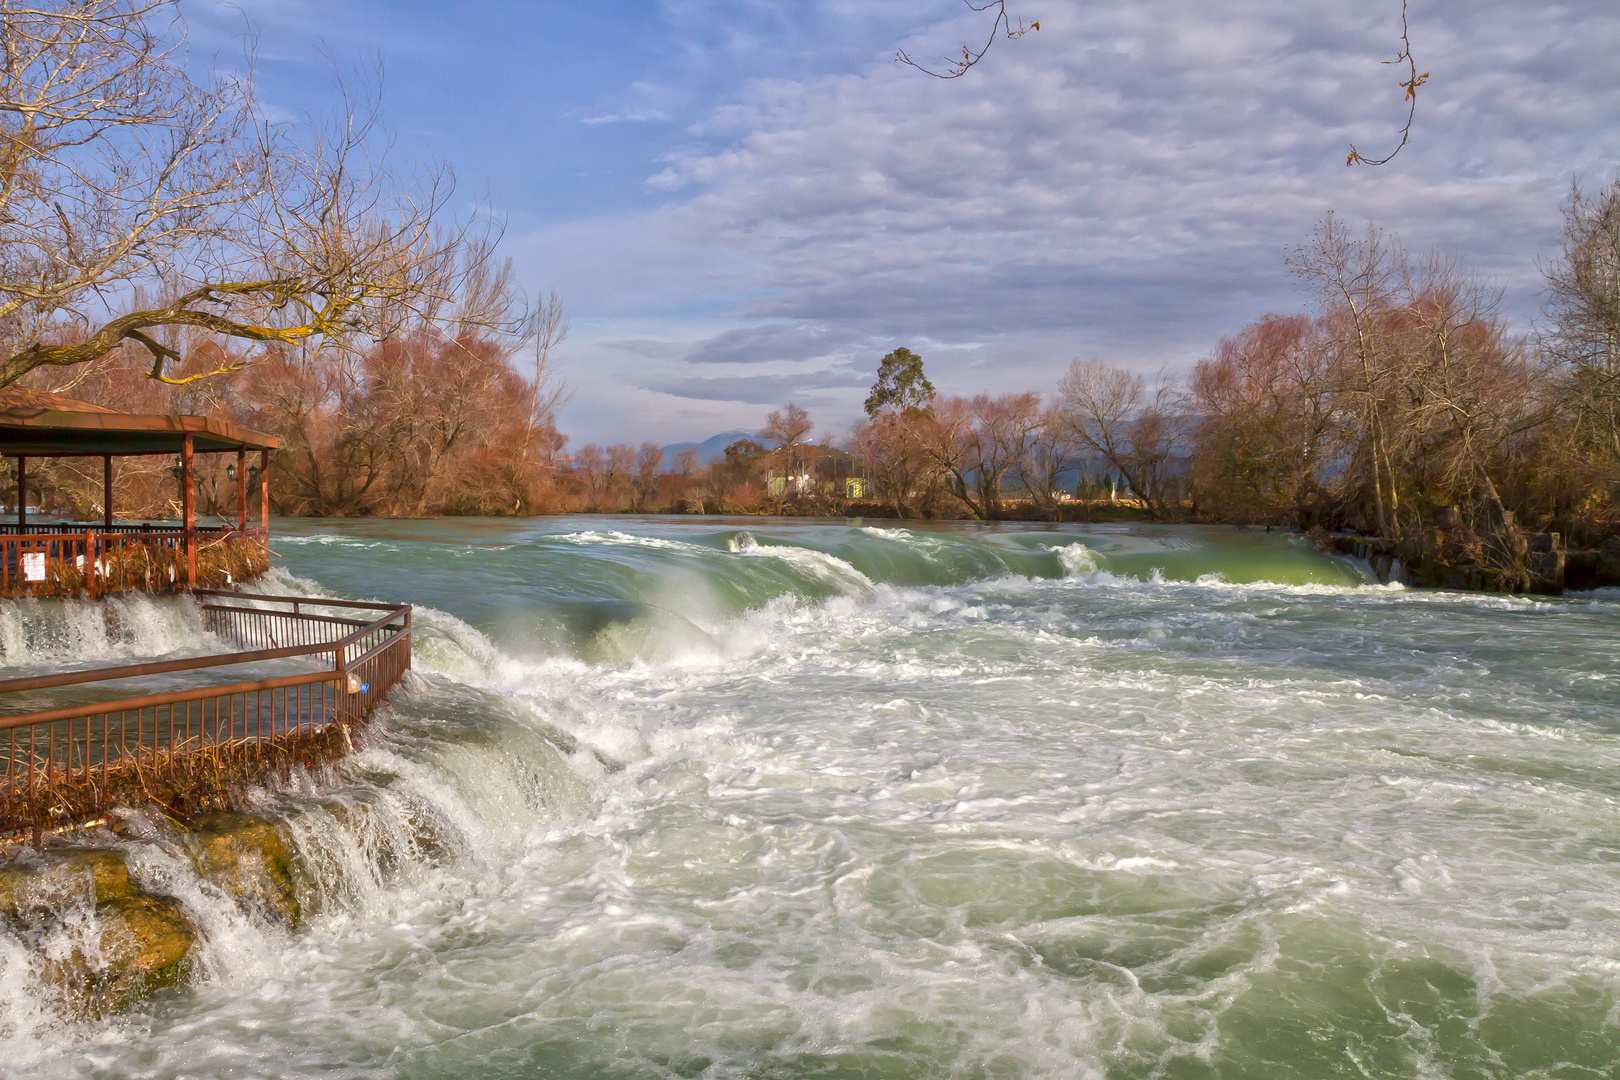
point(1052, 453)
point(952, 441)
point(684, 464)
point(619, 466)
point(546, 328)
point(977, 441)
point(644, 482)
point(119, 171)
point(1582, 306)
point(1111, 413)
point(1008, 427)
point(590, 468)
point(787, 429)
point(1463, 380)
point(1355, 279)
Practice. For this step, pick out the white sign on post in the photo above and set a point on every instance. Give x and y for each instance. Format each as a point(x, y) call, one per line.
point(33, 566)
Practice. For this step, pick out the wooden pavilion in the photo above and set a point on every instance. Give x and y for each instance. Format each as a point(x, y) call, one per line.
point(109, 744)
point(65, 559)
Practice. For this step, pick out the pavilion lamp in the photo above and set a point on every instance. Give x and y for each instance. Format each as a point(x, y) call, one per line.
point(230, 472)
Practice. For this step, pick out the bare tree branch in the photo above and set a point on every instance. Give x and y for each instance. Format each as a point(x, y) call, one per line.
point(956, 68)
point(120, 173)
point(1413, 81)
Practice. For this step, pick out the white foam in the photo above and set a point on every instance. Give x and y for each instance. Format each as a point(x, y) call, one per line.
point(74, 632)
point(1062, 827)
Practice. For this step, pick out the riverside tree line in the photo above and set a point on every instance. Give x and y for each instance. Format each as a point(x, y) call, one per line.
point(1404, 394)
point(1403, 397)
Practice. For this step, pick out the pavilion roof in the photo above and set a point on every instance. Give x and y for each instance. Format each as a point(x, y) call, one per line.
point(41, 424)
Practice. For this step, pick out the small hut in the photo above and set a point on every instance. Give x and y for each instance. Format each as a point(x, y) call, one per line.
point(39, 559)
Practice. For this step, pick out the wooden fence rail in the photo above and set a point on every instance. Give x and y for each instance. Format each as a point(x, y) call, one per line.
point(188, 750)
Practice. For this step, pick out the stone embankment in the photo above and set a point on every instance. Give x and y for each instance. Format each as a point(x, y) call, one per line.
point(1447, 553)
point(103, 939)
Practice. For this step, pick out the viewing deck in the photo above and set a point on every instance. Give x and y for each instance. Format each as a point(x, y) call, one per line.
point(188, 749)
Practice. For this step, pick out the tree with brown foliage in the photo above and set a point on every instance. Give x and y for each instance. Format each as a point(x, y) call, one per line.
point(1266, 422)
point(785, 430)
point(120, 173)
point(892, 448)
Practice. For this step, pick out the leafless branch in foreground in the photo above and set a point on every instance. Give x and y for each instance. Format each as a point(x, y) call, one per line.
point(1413, 81)
point(956, 68)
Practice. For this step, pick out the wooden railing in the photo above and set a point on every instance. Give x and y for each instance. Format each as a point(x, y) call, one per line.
point(190, 750)
point(51, 561)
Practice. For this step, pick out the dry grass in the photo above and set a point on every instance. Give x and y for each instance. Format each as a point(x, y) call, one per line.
point(154, 568)
point(184, 781)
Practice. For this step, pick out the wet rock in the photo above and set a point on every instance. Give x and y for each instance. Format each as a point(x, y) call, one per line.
point(145, 944)
point(253, 860)
point(102, 941)
point(1594, 569)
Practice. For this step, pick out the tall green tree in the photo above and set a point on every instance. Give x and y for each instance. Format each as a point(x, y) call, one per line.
point(900, 384)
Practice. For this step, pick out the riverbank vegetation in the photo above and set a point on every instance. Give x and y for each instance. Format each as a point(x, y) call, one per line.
point(1403, 397)
point(1402, 406)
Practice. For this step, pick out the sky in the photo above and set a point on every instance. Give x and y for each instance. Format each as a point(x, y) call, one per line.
point(746, 202)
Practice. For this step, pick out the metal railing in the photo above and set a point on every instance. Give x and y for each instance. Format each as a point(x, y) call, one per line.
point(55, 562)
point(188, 750)
point(76, 528)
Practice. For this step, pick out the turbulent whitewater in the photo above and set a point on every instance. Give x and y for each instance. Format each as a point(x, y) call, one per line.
point(708, 798)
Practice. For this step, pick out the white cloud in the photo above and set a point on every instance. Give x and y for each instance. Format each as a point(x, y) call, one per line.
point(1124, 183)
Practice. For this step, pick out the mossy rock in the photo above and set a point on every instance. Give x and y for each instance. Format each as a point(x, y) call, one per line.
point(142, 942)
point(253, 860)
point(145, 945)
point(30, 891)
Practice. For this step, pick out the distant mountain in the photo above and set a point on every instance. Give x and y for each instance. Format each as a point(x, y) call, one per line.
point(712, 449)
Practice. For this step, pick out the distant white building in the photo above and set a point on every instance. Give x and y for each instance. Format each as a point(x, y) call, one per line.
point(790, 484)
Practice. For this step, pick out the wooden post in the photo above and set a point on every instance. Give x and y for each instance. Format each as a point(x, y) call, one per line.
point(264, 500)
point(22, 493)
point(241, 489)
point(106, 491)
point(90, 563)
point(188, 503)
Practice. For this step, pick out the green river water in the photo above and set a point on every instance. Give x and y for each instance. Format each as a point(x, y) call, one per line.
point(688, 797)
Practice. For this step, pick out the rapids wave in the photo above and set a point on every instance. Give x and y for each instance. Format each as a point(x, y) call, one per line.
point(694, 799)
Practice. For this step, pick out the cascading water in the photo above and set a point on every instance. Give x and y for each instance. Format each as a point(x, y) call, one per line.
point(669, 798)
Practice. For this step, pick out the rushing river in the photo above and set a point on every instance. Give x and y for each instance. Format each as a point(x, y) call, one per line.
point(714, 798)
